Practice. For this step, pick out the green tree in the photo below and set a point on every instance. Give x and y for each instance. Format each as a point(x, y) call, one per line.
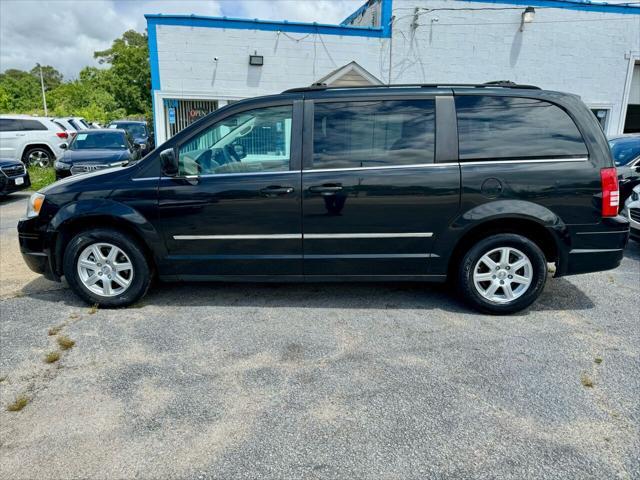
point(51, 77)
point(21, 92)
point(130, 75)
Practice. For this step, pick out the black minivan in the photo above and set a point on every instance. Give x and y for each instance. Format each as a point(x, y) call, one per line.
point(484, 185)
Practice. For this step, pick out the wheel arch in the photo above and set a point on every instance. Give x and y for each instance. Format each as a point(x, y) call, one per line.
point(77, 217)
point(40, 144)
point(531, 228)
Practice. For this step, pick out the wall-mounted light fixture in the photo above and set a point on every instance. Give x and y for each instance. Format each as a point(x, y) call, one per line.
point(527, 16)
point(255, 59)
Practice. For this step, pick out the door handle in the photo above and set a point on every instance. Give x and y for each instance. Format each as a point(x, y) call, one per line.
point(276, 191)
point(325, 190)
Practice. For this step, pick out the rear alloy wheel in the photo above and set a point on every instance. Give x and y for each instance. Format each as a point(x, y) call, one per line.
point(504, 273)
point(39, 157)
point(106, 267)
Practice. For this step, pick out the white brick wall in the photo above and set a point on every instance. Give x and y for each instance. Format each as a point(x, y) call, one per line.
point(568, 50)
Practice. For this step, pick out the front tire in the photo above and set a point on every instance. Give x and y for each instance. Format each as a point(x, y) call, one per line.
point(107, 268)
point(502, 274)
point(38, 156)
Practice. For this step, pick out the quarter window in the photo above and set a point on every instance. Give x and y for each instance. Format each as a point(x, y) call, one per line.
point(515, 128)
point(252, 141)
point(32, 125)
point(373, 134)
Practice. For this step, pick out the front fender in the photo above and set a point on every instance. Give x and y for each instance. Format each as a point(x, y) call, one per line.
point(119, 214)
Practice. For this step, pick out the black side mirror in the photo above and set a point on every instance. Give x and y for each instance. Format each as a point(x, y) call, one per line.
point(64, 146)
point(169, 162)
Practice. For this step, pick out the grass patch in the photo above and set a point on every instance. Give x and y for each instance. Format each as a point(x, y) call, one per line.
point(598, 360)
point(93, 309)
point(41, 177)
point(65, 342)
point(19, 403)
point(3, 378)
point(586, 380)
point(55, 330)
point(74, 316)
point(52, 357)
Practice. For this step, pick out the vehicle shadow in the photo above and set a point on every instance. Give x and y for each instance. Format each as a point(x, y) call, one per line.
point(14, 197)
point(559, 294)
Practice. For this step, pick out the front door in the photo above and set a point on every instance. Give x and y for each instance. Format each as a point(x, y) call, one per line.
point(234, 208)
point(373, 197)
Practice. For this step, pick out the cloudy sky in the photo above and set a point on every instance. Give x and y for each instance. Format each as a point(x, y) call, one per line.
point(65, 33)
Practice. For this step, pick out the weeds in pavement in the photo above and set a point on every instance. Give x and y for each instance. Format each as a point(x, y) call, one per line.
point(598, 360)
point(3, 378)
point(18, 404)
point(93, 309)
point(55, 330)
point(65, 342)
point(52, 357)
point(586, 381)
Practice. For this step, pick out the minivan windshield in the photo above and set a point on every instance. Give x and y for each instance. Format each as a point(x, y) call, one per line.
point(98, 140)
point(624, 149)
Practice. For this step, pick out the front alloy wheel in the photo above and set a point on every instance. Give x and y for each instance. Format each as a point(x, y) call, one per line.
point(39, 158)
point(105, 270)
point(107, 267)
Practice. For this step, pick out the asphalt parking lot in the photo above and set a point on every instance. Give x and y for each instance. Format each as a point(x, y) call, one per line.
point(394, 381)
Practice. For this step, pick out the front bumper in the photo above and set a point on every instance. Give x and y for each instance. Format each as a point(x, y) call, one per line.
point(34, 247)
point(13, 184)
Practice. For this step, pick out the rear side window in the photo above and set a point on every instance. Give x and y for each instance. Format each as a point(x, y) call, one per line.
point(32, 125)
point(373, 134)
point(515, 128)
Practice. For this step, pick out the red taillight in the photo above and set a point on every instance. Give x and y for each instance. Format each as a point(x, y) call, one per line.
point(610, 192)
point(62, 134)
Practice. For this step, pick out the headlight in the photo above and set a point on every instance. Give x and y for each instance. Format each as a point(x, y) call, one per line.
point(635, 196)
point(35, 204)
point(59, 165)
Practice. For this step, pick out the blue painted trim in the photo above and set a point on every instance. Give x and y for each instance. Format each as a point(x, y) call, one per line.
point(570, 5)
point(153, 54)
point(271, 25)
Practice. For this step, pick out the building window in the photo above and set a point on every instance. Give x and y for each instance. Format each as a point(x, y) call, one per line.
point(602, 115)
point(179, 114)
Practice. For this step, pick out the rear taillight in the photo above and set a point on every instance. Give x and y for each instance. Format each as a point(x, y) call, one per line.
point(62, 134)
point(610, 192)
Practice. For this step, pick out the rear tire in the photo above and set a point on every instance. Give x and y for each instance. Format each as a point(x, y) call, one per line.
point(502, 274)
point(107, 268)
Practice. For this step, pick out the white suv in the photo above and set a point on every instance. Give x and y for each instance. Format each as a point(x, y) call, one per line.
point(34, 140)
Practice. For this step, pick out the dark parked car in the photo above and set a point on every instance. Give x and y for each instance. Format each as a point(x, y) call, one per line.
point(625, 150)
point(483, 185)
point(94, 149)
point(13, 177)
point(138, 131)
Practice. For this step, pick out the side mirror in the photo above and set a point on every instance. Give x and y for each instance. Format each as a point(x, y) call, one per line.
point(169, 162)
point(64, 145)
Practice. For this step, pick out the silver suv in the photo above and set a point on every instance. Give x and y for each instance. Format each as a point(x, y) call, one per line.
point(33, 140)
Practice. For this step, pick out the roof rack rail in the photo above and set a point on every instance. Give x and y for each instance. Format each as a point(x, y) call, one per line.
point(495, 84)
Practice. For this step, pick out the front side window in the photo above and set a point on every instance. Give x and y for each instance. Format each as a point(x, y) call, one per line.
point(248, 142)
point(373, 134)
point(98, 140)
point(10, 125)
point(515, 128)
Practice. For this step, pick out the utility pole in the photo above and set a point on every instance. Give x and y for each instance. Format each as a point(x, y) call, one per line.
point(44, 96)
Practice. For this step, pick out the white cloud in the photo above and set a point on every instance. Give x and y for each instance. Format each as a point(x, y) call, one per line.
point(65, 33)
